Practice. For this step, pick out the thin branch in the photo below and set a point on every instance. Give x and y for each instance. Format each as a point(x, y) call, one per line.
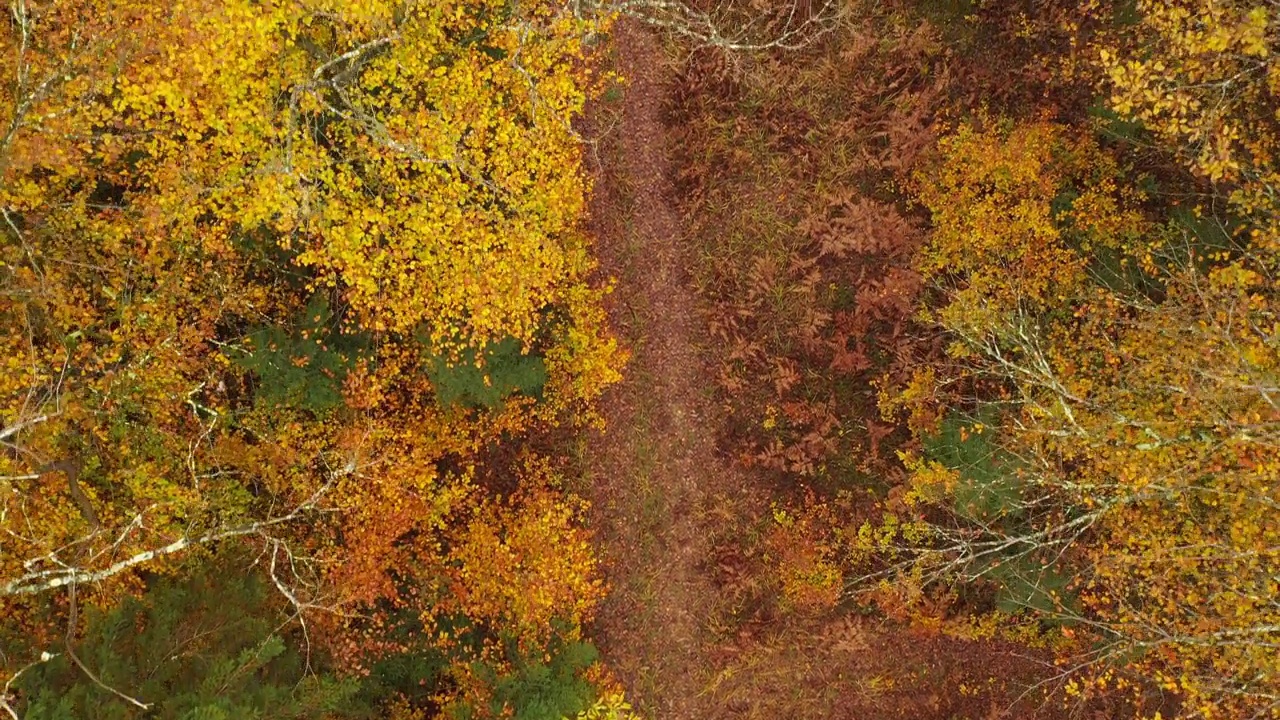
point(71, 653)
point(6, 694)
point(19, 426)
point(41, 581)
point(356, 52)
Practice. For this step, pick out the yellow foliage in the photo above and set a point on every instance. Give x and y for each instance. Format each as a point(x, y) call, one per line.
point(1138, 427)
point(526, 566)
point(181, 182)
point(1017, 210)
point(1202, 75)
point(802, 550)
point(612, 706)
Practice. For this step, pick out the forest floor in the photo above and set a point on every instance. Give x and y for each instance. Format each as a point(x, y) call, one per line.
point(654, 472)
point(684, 626)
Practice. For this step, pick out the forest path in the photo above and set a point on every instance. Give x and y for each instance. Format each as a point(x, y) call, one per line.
point(692, 625)
point(655, 477)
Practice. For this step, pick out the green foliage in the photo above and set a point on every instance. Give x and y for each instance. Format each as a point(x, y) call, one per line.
point(1116, 127)
point(484, 380)
point(415, 672)
point(1117, 273)
point(948, 12)
point(303, 365)
point(1202, 237)
point(1026, 584)
point(203, 648)
point(546, 690)
point(988, 492)
point(550, 691)
point(987, 487)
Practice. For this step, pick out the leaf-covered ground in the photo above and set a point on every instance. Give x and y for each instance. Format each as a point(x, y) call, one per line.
point(694, 625)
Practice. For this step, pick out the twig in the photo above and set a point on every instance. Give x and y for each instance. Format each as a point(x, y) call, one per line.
point(5, 694)
point(71, 653)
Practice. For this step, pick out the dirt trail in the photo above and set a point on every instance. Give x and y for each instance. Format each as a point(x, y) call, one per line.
point(654, 472)
point(663, 499)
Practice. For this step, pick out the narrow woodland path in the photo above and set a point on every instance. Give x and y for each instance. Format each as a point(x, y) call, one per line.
point(654, 472)
point(672, 517)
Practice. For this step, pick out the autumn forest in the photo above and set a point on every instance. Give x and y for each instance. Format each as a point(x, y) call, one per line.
point(639, 359)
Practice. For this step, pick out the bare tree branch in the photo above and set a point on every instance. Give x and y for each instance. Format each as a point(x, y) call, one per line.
point(6, 695)
point(71, 653)
point(53, 578)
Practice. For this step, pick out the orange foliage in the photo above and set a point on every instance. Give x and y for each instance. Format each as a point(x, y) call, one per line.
point(787, 183)
point(525, 567)
point(242, 243)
